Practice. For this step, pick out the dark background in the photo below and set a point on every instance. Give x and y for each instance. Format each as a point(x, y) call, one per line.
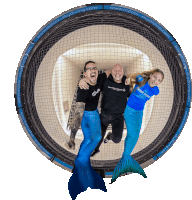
point(25, 173)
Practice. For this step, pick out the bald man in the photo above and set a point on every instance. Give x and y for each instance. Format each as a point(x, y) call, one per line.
point(115, 94)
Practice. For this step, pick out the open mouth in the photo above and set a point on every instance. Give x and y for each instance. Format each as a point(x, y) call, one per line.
point(93, 75)
point(117, 76)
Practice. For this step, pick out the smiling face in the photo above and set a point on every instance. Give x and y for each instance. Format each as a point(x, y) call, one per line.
point(155, 79)
point(117, 73)
point(91, 73)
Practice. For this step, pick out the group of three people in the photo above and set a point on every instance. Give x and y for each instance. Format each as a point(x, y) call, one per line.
point(116, 89)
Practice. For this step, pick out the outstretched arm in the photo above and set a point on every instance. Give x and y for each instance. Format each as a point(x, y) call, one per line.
point(108, 72)
point(83, 82)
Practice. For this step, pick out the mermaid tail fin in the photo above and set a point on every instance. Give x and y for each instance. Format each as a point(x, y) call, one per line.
point(127, 164)
point(84, 177)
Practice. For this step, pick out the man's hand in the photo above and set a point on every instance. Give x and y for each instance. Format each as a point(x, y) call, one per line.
point(108, 72)
point(83, 84)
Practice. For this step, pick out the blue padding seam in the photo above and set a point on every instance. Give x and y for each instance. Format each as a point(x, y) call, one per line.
point(108, 173)
point(155, 158)
point(20, 72)
point(187, 73)
point(24, 60)
point(28, 51)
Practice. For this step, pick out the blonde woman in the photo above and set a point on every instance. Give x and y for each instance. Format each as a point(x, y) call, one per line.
point(143, 86)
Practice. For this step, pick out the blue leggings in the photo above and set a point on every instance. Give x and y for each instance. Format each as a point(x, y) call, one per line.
point(84, 175)
point(133, 120)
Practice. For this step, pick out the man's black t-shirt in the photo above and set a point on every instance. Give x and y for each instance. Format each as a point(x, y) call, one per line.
point(114, 96)
point(91, 96)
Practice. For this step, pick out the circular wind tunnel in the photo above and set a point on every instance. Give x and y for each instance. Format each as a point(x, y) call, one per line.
point(52, 66)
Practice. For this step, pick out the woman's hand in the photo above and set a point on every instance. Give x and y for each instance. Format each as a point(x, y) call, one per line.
point(83, 84)
point(127, 81)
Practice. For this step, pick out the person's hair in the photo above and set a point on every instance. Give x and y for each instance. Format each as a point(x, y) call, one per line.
point(145, 75)
point(87, 64)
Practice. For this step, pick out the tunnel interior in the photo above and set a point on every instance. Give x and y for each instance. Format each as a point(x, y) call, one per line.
point(52, 65)
point(62, 67)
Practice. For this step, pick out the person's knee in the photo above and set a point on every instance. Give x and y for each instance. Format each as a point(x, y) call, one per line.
point(116, 139)
point(117, 135)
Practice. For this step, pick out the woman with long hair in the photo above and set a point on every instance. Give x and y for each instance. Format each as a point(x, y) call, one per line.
point(143, 86)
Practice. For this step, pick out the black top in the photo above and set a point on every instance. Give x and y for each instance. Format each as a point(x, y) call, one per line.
point(114, 96)
point(91, 96)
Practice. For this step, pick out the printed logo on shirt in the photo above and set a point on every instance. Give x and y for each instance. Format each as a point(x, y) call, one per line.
point(117, 89)
point(95, 92)
point(141, 91)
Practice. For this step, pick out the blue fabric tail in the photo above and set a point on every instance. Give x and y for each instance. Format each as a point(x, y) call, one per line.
point(84, 175)
point(133, 120)
point(125, 165)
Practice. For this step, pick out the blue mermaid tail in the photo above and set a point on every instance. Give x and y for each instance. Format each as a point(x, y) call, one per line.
point(125, 165)
point(84, 175)
point(133, 120)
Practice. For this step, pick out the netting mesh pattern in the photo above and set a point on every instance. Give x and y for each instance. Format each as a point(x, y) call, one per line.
point(52, 72)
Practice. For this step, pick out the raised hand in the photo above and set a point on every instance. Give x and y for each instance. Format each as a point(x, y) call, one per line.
point(127, 81)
